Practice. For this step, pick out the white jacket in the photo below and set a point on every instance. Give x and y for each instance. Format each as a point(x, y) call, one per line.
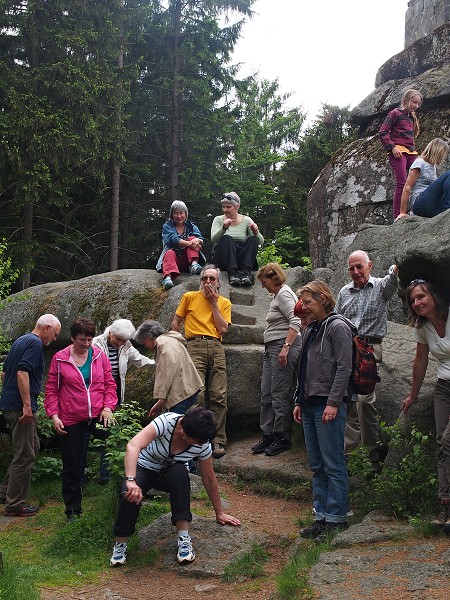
point(127, 354)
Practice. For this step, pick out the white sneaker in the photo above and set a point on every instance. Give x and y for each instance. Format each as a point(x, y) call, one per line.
point(186, 553)
point(119, 555)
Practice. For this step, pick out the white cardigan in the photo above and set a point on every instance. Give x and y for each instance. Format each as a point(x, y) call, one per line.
point(126, 353)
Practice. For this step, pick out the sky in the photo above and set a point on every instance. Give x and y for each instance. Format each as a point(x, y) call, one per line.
point(323, 50)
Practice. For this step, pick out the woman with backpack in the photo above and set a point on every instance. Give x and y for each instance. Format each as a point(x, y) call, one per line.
point(323, 388)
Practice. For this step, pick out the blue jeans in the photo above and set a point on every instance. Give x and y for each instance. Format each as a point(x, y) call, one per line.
point(325, 448)
point(435, 199)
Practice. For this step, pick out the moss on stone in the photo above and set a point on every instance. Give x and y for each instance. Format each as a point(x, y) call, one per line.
point(147, 305)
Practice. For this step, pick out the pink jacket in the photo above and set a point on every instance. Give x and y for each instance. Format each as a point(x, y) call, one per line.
point(66, 394)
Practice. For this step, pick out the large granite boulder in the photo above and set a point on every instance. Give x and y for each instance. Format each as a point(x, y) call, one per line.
point(357, 185)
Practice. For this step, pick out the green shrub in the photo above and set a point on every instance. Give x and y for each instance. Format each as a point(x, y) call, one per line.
point(407, 487)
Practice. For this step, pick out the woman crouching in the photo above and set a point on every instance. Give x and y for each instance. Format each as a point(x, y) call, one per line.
point(157, 458)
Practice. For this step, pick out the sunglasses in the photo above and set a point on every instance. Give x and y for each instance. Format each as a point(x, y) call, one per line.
point(417, 281)
point(208, 277)
point(227, 197)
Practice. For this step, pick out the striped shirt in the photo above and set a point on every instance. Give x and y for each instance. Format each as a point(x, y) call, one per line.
point(157, 454)
point(367, 307)
point(113, 355)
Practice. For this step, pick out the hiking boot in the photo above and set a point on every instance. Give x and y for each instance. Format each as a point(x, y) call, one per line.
point(185, 553)
point(73, 516)
point(278, 445)
point(219, 451)
point(234, 278)
point(246, 278)
point(330, 529)
point(24, 511)
point(167, 282)
point(119, 555)
point(195, 268)
point(262, 445)
point(312, 532)
point(442, 516)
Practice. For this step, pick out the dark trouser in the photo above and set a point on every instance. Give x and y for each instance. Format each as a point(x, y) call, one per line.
point(72, 447)
point(435, 199)
point(231, 256)
point(442, 418)
point(16, 484)
point(174, 480)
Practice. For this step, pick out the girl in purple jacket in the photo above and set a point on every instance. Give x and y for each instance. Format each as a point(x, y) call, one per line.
point(397, 134)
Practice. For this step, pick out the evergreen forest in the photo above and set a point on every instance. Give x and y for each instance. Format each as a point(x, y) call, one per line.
point(112, 109)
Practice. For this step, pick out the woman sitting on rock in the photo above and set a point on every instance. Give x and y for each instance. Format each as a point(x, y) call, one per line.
point(429, 315)
point(182, 245)
point(424, 194)
point(237, 238)
point(157, 457)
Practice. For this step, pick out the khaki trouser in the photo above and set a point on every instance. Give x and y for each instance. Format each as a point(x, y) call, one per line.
point(15, 486)
point(362, 420)
point(208, 357)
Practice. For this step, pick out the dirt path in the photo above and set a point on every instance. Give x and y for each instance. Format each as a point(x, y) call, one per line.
point(275, 517)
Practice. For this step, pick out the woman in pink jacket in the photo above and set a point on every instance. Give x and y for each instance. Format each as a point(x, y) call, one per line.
point(80, 393)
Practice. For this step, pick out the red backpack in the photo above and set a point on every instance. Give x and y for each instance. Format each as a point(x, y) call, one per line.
point(364, 367)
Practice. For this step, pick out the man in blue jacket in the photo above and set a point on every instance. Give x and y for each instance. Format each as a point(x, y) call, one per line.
point(23, 372)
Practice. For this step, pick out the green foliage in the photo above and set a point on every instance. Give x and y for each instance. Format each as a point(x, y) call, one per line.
point(8, 274)
point(16, 583)
point(248, 565)
point(293, 582)
point(46, 467)
point(407, 487)
point(269, 253)
point(127, 423)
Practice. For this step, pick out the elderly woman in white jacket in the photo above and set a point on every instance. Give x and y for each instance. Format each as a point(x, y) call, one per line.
point(115, 343)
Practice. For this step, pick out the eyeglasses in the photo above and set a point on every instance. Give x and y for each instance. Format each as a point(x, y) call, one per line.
point(227, 197)
point(54, 331)
point(357, 267)
point(417, 282)
point(210, 277)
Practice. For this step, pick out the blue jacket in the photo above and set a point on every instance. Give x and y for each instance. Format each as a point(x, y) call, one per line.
point(171, 238)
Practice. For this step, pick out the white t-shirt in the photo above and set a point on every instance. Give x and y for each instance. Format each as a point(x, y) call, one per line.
point(157, 454)
point(426, 176)
point(439, 347)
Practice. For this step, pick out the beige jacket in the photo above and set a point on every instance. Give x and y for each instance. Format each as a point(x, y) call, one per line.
point(176, 377)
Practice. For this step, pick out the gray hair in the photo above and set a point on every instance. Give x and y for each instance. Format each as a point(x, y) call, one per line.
point(49, 320)
point(121, 328)
point(148, 329)
point(178, 205)
point(232, 198)
point(211, 266)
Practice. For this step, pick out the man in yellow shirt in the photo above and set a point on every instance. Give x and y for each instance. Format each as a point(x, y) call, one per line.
point(207, 316)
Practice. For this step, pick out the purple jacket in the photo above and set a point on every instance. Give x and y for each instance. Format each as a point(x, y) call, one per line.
point(66, 394)
point(397, 129)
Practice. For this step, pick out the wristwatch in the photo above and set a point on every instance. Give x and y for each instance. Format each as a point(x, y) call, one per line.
point(286, 344)
point(130, 478)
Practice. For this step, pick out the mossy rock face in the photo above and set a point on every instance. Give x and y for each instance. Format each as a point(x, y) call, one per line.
point(133, 294)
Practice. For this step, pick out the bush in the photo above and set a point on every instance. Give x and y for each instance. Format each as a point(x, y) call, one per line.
point(407, 487)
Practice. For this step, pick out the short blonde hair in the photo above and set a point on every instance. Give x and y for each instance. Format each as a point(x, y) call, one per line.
point(274, 272)
point(319, 291)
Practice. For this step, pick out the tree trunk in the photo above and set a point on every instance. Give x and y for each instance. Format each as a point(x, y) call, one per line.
point(27, 238)
point(175, 125)
point(115, 184)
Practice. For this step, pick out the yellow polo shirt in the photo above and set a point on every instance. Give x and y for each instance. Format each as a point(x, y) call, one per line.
point(196, 311)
